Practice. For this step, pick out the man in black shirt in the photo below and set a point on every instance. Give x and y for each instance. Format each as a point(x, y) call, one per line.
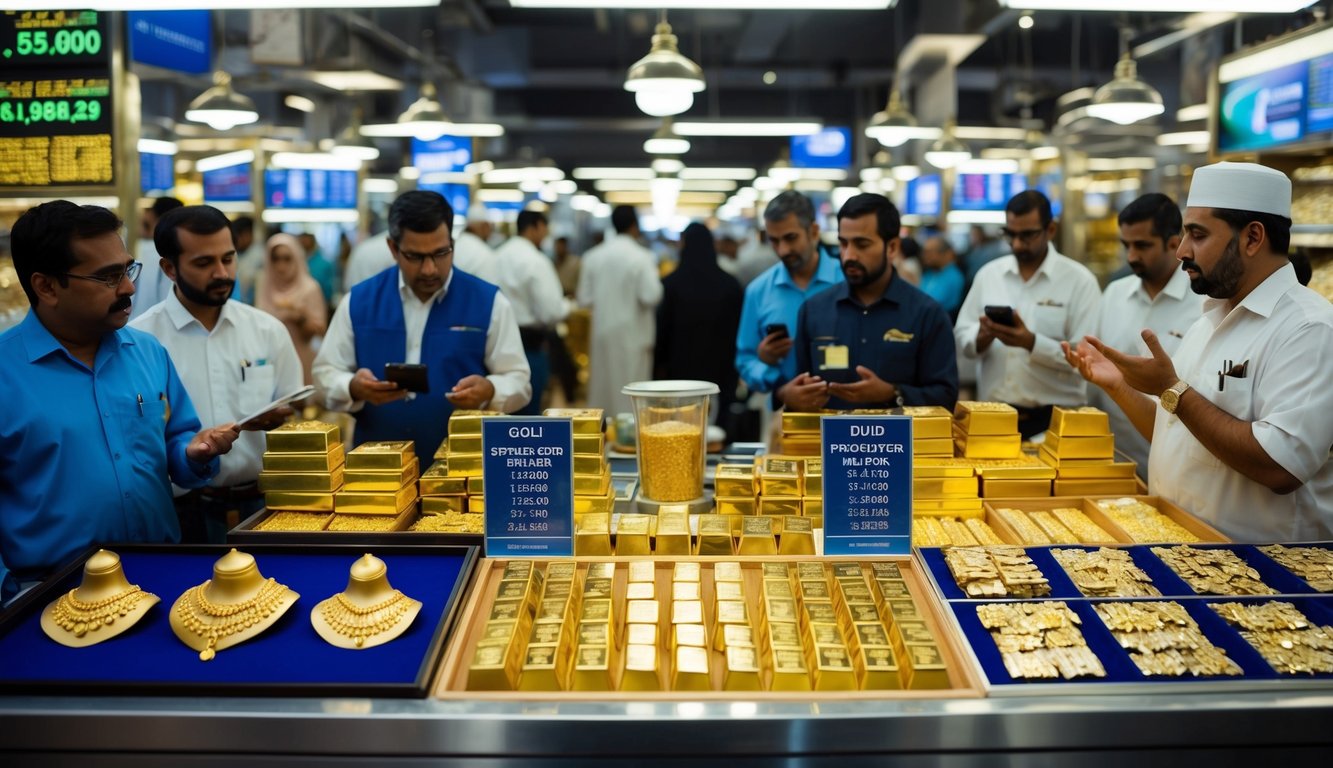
point(875, 341)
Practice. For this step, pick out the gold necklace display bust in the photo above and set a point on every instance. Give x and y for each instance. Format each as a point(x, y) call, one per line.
point(104, 605)
point(369, 613)
point(237, 604)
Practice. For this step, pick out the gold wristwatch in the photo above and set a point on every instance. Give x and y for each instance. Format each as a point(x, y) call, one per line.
point(1171, 397)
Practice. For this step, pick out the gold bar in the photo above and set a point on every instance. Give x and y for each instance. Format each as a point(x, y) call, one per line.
point(464, 465)
point(687, 612)
point(789, 670)
point(1022, 468)
point(904, 610)
point(881, 670)
point(823, 633)
point(441, 451)
point(643, 611)
point(673, 533)
point(476, 504)
point(942, 466)
point(989, 446)
point(779, 477)
point(687, 634)
point(757, 537)
point(734, 480)
point(540, 668)
point(1012, 489)
point(778, 588)
point(1108, 487)
point(687, 590)
point(305, 462)
point(742, 670)
point(932, 446)
point(604, 504)
point(833, 669)
point(690, 671)
point(813, 508)
point(1095, 447)
point(779, 609)
point(801, 445)
point(303, 437)
point(299, 502)
point(640, 590)
point(592, 670)
point(735, 505)
point(686, 572)
point(978, 418)
point(815, 590)
point(468, 422)
point(375, 503)
point(594, 633)
point(779, 505)
point(589, 445)
point(642, 571)
point(632, 535)
point(871, 634)
point(944, 487)
point(715, 537)
point(546, 633)
point(886, 570)
point(820, 611)
point(784, 634)
point(892, 588)
point(592, 535)
point(861, 612)
point(798, 537)
point(442, 505)
point(640, 669)
point(929, 421)
point(492, 669)
point(811, 571)
point(464, 444)
point(590, 465)
point(310, 482)
point(382, 455)
point(727, 571)
point(928, 670)
point(379, 480)
point(561, 571)
point(735, 636)
point(593, 485)
point(957, 507)
point(794, 422)
point(914, 632)
point(435, 481)
point(1085, 421)
point(1087, 469)
point(584, 421)
point(641, 634)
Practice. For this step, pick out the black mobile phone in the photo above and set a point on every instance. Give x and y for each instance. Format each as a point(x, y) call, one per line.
point(779, 328)
point(409, 376)
point(1000, 314)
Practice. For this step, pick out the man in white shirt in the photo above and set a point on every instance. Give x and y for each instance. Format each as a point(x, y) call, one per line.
point(232, 358)
point(620, 284)
point(153, 285)
point(368, 258)
point(529, 281)
point(422, 311)
point(472, 253)
point(249, 258)
point(1243, 432)
point(1156, 296)
point(1037, 298)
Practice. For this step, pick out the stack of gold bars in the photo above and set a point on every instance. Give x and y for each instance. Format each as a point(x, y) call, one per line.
point(932, 431)
point(986, 431)
point(380, 492)
point(592, 474)
point(801, 433)
point(444, 506)
point(1081, 448)
point(461, 453)
point(303, 468)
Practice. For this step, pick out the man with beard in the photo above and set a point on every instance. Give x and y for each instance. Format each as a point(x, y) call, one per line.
point(233, 359)
point(96, 424)
point(1018, 311)
point(421, 311)
point(875, 341)
point(1246, 420)
point(764, 356)
point(1157, 296)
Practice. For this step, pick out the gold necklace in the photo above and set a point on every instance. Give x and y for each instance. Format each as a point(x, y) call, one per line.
point(215, 621)
point(351, 620)
point(74, 615)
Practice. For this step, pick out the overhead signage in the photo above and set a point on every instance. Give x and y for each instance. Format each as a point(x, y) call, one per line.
point(528, 469)
point(157, 173)
point(867, 485)
point(227, 185)
point(447, 154)
point(829, 148)
point(923, 196)
point(309, 188)
point(56, 100)
point(179, 40)
point(459, 196)
point(985, 191)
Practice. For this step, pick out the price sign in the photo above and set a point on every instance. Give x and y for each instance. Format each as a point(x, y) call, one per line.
point(528, 465)
point(55, 99)
point(867, 485)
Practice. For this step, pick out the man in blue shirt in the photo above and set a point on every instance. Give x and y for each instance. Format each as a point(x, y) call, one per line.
point(941, 279)
point(764, 355)
point(875, 341)
point(96, 423)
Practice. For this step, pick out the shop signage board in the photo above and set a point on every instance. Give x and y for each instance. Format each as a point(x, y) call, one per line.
point(178, 40)
point(528, 466)
point(867, 485)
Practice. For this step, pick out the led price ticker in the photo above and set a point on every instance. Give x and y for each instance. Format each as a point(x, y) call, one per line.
point(69, 111)
point(65, 42)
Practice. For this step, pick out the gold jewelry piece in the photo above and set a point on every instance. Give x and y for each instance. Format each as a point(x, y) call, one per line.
point(1283, 635)
point(215, 621)
point(1213, 571)
point(74, 615)
point(1105, 573)
point(351, 620)
point(1313, 564)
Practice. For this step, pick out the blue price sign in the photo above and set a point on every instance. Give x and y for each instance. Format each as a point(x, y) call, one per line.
point(867, 485)
point(528, 465)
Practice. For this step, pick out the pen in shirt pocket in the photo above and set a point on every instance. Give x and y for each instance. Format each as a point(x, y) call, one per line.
point(166, 406)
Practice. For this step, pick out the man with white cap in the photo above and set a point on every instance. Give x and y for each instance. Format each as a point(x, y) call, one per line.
point(472, 254)
point(1242, 434)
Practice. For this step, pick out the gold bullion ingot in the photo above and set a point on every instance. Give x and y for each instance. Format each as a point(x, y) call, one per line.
point(589, 465)
point(981, 418)
point(944, 487)
point(728, 571)
point(929, 421)
point(592, 668)
point(820, 611)
point(779, 477)
point(1087, 469)
point(641, 634)
point(903, 610)
point(823, 633)
point(777, 588)
point(742, 669)
point(886, 570)
point(561, 571)
point(801, 445)
point(688, 634)
point(784, 634)
point(812, 507)
point(870, 634)
point(583, 421)
point(798, 537)
point(1080, 422)
point(590, 445)
point(298, 501)
point(594, 633)
point(1013, 489)
point(687, 572)
point(464, 444)
point(476, 484)
point(932, 446)
point(914, 632)
point(948, 507)
point(1116, 487)
point(310, 482)
point(673, 533)
point(715, 536)
point(303, 437)
point(797, 422)
point(597, 505)
point(476, 504)
point(632, 535)
point(779, 505)
point(1092, 447)
point(441, 451)
point(812, 481)
point(942, 466)
point(928, 669)
point(640, 669)
point(687, 590)
point(690, 670)
point(733, 636)
point(642, 571)
point(833, 670)
point(443, 505)
point(988, 446)
point(1022, 468)
point(890, 589)
point(687, 612)
point(593, 485)
point(468, 422)
point(881, 669)
point(814, 590)
point(757, 537)
point(599, 587)
point(735, 505)
point(734, 480)
point(379, 479)
point(492, 669)
point(394, 454)
point(541, 668)
point(369, 503)
point(642, 611)
point(592, 535)
point(324, 461)
point(435, 481)
point(464, 465)
point(789, 670)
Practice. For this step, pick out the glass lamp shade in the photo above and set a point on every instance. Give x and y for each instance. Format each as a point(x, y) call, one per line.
point(1126, 99)
point(220, 107)
point(664, 82)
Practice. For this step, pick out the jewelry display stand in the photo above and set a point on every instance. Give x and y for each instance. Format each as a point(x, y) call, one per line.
point(104, 605)
point(237, 604)
point(368, 613)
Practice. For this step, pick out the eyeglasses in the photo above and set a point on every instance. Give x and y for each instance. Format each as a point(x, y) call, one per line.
point(1025, 235)
point(112, 279)
point(417, 258)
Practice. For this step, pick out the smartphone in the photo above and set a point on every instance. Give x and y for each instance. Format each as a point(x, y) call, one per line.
point(779, 328)
point(411, 377)
point(1000, 314)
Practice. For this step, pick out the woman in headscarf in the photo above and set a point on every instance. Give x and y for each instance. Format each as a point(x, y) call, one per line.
point(288, 292)
point(697, 319)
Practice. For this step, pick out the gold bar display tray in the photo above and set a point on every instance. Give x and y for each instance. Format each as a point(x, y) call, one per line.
point(1189, 522)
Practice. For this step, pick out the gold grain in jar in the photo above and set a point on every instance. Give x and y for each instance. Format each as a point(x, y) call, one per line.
point(671, 461)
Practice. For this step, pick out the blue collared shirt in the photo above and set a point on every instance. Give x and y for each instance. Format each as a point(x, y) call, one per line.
point(772, 298)
point(905, 338)
point(82, 459)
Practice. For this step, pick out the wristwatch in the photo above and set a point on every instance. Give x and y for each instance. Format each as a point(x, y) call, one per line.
point(1171, 397)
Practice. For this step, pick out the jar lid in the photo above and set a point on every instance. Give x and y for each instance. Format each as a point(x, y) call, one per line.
point(670, 388)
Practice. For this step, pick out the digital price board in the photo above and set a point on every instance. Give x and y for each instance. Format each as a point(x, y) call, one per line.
point(309, 188)
point(56, 99)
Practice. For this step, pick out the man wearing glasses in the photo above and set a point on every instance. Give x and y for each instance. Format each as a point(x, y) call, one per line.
point(96, 424)
point(421, 311)
point(1019, 310)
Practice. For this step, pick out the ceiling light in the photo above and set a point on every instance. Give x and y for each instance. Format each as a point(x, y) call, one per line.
point(813, 185)
point(311, 215)
point(355, 80)
point(1101, 164)
point(220, 107)
point(224, 161)
point(1126, 99)
point(1160, 6)
point(906, 172)
point(749, 128)
point(665, 141)
point(1182, 138)
point(500, 195)
point(443, 177)
point(947, 151)
point(380, 186)
point(1025, 21)
point(543, 171)
point(1045, 153)
point(667, 165)
point(664, 82)
point(988, 133)
point(409, 172)
point(564, 186)
point(1192, 113)
point(157, 147)
point(313, 160)
point(591, 173)
point(738, 5)
point(782, 172)
point(299, 103)
point(982, 165)
point(350, 143)
point(738, 174)
point(426, 120)
point(665, 192)
point(895, 125)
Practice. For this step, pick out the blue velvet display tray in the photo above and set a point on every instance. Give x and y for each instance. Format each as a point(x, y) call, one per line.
point(288, 659)
point(1270, 572)
point(1061, 587)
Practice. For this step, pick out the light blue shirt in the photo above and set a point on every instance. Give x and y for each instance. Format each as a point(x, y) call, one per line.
point(85, 455)
point(770, 299)
point(945, 286)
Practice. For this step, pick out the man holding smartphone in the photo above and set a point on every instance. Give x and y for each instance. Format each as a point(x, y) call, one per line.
point(422, 312)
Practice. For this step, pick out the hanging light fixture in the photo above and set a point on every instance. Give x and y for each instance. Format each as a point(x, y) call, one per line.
point(664, 82)
point(665, 141)
point(350, 143)
point(895, 125)
point(425, 119)
point(220, 107)
point(947, 151)
point(1126, 99)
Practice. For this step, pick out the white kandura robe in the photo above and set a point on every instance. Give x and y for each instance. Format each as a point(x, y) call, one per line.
point(620, 283)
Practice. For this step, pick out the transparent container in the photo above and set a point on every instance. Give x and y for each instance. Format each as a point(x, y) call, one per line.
point(672, 418)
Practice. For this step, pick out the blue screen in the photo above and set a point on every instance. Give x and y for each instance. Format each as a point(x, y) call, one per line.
point(986, 191)
point(923, 196)
point(458, 195)
point(447, 154)
point(1263, 110)
point(830, 148)
point(228, 185)
point(309, 188)
point(157, 173)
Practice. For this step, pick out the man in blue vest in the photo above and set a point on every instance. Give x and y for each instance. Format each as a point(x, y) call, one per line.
point(421, 310)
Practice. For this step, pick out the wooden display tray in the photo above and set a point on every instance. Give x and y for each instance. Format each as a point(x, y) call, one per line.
point(987, 516)
point(246, 533)
point(1205, 532)
point(451, 682)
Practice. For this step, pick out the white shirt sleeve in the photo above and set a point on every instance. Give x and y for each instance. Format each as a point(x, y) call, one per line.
point(506, 363)
point(336, 362)
point(548, 298)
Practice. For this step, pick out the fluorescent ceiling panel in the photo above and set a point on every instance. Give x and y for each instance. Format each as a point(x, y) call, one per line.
point(748, 128)
point(1161, 6)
